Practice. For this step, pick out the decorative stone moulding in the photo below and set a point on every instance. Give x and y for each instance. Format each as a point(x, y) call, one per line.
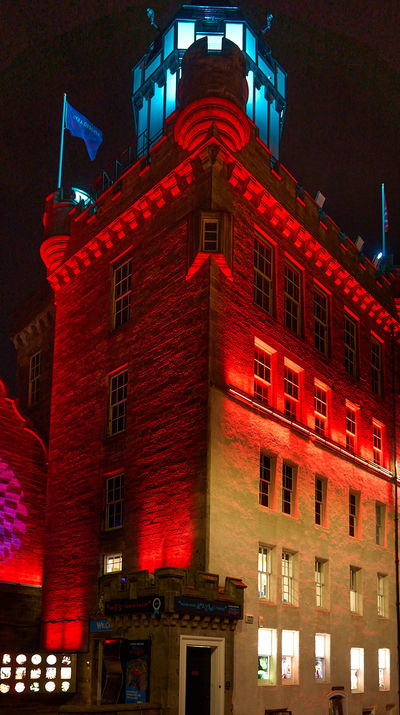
point(195, 122)
point(52, 251)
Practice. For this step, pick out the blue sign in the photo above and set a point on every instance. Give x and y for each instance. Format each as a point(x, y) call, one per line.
point(99, 625)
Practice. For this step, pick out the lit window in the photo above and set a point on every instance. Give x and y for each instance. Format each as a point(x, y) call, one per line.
point(122, 293)
point(322, 656)
point(112, 563)
point(377, 443)
point(262, 375)
point(355, 590)
point(292, 303)
point(320, 500)
point(263, 275)
point(289, 580)
point(381, 590)
point(34, 378)
point(288, 488)
point(264, 572)
point(266, 656)
point(114, 501)
point(357, 670)
point(118, 389)
point(321, 325)
point(354, 509)
point(210, 235)
point(321, 409)
point(290, 656)
point(291, 392)
point(267, 481)
point(351, 429)
point(376, 366)
point(384, 668)
point(350, 345)
point(380, 514)
point(185, 35)
point(320, 574)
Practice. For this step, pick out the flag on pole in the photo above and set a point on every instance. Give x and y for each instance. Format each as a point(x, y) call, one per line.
point(80, 127)
point(385, 214)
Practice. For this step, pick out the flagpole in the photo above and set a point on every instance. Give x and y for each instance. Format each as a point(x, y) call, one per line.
point(62, 141)
point(383, 220)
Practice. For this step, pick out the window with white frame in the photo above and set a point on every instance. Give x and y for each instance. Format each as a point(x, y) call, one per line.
point(321, 321)
point(350, 345)
point(351, 429)
point(320, 500)
point(122, 293)
point(266, 656)
point(289, 578)
point(354, 513)
point(380, 519)
point(265, 572)
point(377, 443)
point(357, 670)
point(267, 480)
point(292, 298)
point(381, 592)
point(322, 656)
point(288, 488)
point(34, 378)
point(112, 563)
point(355, 590)
point(114, 501)
point(290, 656)
point(291, 390)
point(321, 580)
point(263, 275)
point(384, 668)
point(321, 409)
point(376, 366)
point(117, 402)
point(262, 375)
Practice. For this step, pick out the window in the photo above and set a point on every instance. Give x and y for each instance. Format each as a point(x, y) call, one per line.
point(321, 409)
point(355, 590)
point(263, 275)
point(264, 572)
point(266, 656)
point(321, 325)
point(266, 490)
point(357, 670)
point(122, 293)
point(376, 366)
point(351, 428)
point(262, 375)
point(288, 488)
point(320, 500)
point(320, 572)
point(377, 443)
point(291, 391)
point(34, 378)
point(292, 302)
point(384, 668)
point(289, 579)
point(118, 388)
point(380, 514)
point(114, 501)
point(381, 590)
point(350, 345)
point(210, 235)
point(290, 656)
point(112, 563)
point(322, 656)
point(354, 508)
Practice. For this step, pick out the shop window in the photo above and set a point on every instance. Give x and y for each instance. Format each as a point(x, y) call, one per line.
point(290, 657)
point(357, 670)
point(122, 293)
point(322, 656)
point(266, 656)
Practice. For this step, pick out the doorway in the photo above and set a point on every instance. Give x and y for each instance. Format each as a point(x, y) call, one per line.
point(201, 676)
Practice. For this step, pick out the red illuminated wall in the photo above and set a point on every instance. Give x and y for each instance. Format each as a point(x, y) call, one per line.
point(22, 497)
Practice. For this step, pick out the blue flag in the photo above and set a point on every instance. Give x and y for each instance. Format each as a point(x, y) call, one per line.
point(80, 127)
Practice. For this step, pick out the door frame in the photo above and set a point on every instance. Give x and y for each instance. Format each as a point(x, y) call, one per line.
point(217, 689)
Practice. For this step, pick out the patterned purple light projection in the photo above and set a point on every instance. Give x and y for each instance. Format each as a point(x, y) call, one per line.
point(13, 512)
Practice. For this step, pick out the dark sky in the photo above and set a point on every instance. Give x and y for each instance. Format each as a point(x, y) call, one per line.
point(341, 132)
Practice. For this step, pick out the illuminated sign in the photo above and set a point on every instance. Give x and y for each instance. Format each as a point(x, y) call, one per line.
point(201, 606)
point(37, 673)
point(145, 604)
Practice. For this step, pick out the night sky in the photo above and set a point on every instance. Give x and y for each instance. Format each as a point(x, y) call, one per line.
point(341, 133)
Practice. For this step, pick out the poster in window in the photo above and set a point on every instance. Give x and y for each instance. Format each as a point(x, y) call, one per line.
point(137, 671)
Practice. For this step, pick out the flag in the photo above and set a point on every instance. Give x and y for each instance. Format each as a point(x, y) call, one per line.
point(80, 127)
point(385, 214)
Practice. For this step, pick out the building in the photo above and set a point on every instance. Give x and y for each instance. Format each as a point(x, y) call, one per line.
point(219, 532)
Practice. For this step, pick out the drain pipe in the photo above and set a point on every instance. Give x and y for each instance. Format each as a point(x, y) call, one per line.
point(396, 515)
